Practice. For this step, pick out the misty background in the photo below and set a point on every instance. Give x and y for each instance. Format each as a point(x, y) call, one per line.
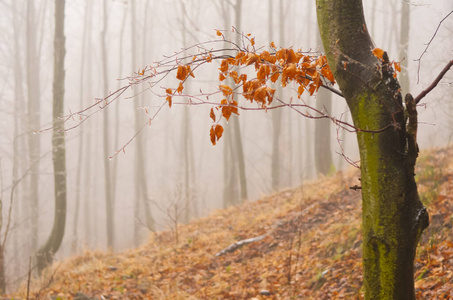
point(170, 173)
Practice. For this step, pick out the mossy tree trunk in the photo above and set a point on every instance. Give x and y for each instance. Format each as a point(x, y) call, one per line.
point(393, 216)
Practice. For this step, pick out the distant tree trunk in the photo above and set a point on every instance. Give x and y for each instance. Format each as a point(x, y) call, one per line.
point(19, 103)
point(141, 201)
point(276, 113)
point(230, 195)
point(186, 138)
point(88, 182)
point(238, 146)
point(34, 120)
point(230, 182)
point(46, 252)
point(109, 197)
point(78, 184)
point(309, 137)
point(393, 217)
point(404, 45)
point(323, 155)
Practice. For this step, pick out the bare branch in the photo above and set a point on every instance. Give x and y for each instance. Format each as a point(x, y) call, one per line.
point(233, 247)
point(435, 82)
point(429, 43)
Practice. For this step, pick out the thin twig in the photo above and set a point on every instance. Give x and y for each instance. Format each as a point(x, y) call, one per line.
point(435, 82)
point(429, 43)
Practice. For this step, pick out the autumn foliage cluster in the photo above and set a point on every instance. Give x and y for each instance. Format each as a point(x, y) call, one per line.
point(307, 71)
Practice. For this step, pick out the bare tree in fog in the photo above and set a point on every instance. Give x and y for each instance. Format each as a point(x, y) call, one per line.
point(81, 144)
point(141, 198)
point(322, 149)
point(404, 45)
point(34, 117)
point(235, 181)
point(190, 203)
point(46, 252)
point(109, 195)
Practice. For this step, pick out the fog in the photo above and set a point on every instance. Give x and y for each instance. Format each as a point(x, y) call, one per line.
point(184, 176)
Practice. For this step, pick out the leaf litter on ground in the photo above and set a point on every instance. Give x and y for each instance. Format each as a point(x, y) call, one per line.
point(310, 248)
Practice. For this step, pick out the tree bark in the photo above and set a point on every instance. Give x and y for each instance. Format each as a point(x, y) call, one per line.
point(393, 215)
point(46, 252)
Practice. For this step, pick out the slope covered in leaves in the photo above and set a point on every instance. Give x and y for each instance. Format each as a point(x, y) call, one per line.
point(309, 249)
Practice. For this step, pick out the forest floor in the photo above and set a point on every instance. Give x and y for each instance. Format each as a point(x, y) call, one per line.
point(308, 246)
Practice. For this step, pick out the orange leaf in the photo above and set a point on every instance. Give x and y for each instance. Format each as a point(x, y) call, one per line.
point(252, 41)
point(169, 100)
point(226, 90)
point(252, 58)
point(219, 33)
point(270, 94)
point(221, 77)
point(260, 95)
point(300, 90)
point(327, 73)
point(212, 114)
point(181, 74)
point(272, 45)
point(189, 71)
point(239, 56)
point(234, 108)
point(234, 75)
point(226, 112)
point(224, 66)
point(216, 133)
point(289, 72)
point(263, 72)
point(378, 53)
point(169, 93)
point(397, 66)
point(212, 135)
point(291, 57)
point(180, 88)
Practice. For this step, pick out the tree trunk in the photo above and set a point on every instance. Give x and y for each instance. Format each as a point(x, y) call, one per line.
point(239, 149)
point(393, 216)
point(78, 184)
point(230, 182)
point(323, 155)
point(109, 197)
point(34, 120)
point(404, 45)
point(141, 201)
point(46, 252)
point(277, 113)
